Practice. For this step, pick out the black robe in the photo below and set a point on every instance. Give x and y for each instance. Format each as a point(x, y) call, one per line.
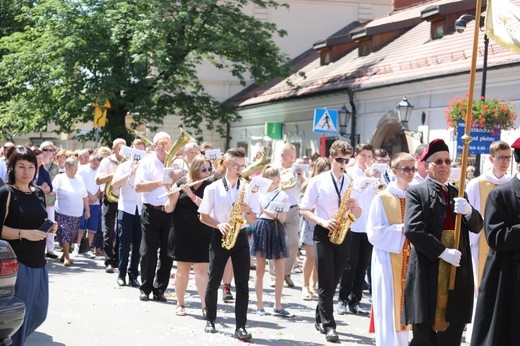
point(423, 225)
point(497, 317)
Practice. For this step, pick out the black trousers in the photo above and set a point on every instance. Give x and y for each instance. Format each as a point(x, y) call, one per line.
point(424, 335)
point(330, 260)
point(108, 224)
point(218, 257)
point(156, 225)
point(129, 237)
point(353, 278)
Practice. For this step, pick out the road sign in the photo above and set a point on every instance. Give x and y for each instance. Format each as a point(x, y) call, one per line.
point(325, 121)
point(100, 116)
point(481, 138)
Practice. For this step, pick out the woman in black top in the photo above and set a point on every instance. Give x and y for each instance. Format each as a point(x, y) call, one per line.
point(190, 237)
point(22, 209)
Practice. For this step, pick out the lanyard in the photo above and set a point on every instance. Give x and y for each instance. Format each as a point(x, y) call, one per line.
point(338, 191)
point(272, 199)
point(224, 181)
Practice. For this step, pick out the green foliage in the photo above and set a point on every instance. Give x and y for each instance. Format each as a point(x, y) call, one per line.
point(142, 55)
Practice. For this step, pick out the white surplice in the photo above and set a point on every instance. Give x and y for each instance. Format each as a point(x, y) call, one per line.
point(386, 239)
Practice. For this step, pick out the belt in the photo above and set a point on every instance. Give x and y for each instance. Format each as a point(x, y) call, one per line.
point(156, 207)
point(293, 206)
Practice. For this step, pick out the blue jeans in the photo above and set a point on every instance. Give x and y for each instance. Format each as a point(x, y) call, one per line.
point(32, 286)
point(129, 228)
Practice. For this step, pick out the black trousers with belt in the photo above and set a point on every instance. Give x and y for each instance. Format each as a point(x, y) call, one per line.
point(108, 224)
point(218, 257)
point(156, 225)
point(330, 261)
point(353, 278)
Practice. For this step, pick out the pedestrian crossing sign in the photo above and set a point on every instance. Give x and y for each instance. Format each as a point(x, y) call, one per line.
point(325, 121)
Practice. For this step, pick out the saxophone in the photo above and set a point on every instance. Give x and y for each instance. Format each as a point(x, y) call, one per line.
point(236, 220)
point(344, 218)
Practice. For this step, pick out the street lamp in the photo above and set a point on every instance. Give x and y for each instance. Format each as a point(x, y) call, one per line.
point(404, 111)
point(346, 117)
point(460, 25)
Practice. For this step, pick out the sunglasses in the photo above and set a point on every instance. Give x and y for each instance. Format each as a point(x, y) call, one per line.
point(204, 169)
point(341, 160)
point(503, 158)
point(408, 169)
point(439, 162)
point(49, 150)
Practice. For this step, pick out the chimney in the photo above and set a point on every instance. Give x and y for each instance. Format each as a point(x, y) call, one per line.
point(400, 4)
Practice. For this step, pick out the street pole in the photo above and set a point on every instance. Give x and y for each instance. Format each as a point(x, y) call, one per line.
point(482, 93)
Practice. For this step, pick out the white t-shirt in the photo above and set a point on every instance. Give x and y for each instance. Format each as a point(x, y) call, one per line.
point(89, 178)
point(69, 195)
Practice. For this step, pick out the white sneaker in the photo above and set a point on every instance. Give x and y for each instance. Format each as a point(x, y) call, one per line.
point(89, 254)
point(75, 251)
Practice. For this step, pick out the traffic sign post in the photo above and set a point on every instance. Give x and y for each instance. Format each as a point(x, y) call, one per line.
point(100, 113)
point(325, 121)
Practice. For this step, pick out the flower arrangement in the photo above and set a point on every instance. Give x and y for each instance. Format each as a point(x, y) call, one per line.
point(487, 113)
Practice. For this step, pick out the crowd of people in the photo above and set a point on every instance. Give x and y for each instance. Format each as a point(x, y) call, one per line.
point(363, 219)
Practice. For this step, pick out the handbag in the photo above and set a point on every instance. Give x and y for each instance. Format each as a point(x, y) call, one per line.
point(83, 245)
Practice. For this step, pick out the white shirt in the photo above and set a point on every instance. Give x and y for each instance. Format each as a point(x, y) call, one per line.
point(218, 203)
point(69, 195)
point(366, 187)
point(417, 179)
point(129, 199)
point(89, 179)
point(150, 169)
point(3, 170)
point(322, 196)
point(106, 166)
point(273, 197)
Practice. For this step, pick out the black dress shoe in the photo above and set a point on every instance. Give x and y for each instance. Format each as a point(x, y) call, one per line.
point(159, 297)
point(357, 309)
point(133, 282)
point(121, 282)
point(51, 255)
point(242, 334)
point(319, 328)
point(143, 297)
point(331, 335)
point(210, 327)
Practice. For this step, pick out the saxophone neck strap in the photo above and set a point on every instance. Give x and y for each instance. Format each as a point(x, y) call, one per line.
point(226, 186)
point(338, 191)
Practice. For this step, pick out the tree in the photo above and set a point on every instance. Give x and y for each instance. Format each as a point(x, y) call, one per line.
point(142, 55)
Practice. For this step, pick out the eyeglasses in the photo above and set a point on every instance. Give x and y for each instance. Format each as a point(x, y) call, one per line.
point(341, 160)
point(204, 169)
point(237, 166)
point(49, 150)
point(381, 160)
point(439, 162)
point(408, 169)
point(503, 157)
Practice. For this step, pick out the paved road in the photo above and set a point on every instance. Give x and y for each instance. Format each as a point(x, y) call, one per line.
point(88, 308)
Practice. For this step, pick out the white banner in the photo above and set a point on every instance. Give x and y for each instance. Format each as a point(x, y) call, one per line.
point(503, 23)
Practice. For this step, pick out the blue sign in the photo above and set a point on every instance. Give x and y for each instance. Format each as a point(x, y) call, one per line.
point(325, 121)
point(481, 138)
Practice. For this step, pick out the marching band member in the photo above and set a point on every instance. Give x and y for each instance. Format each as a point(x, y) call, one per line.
point(129, 208)
point(319, 204)
point(155, 221)
point(104, 175)
point(390, 255)
point(215, 210)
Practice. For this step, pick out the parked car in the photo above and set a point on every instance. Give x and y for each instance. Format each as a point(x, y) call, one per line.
point(12, 309)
